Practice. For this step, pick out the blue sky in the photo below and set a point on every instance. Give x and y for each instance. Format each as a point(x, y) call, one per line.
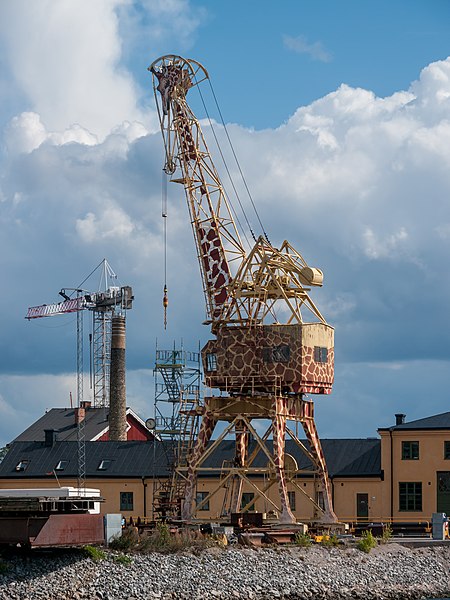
point(267, 59)
point(339, 114)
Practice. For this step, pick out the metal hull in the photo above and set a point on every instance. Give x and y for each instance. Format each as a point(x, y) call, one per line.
point(52, 530)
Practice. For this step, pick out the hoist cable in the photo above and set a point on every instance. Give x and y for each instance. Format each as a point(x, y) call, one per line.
point(229, 175)
point(164, 216)
point(237, 163)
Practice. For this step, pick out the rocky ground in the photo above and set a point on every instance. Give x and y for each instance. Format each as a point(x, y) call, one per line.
point(389, 571)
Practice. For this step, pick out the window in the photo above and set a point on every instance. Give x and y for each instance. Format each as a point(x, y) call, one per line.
point(61, 465)
point(291, 498)
point(320, 354)
point(276, 354)
point(447, 450)
point(211, 361)
point(410, 496)
point(248, 498)
point(319, 500)
point(410, 450)
point(22, 465)
point(104, 464)
point(126, 500)
point(200, 497)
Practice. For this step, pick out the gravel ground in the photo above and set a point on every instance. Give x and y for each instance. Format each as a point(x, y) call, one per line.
point(390, 571)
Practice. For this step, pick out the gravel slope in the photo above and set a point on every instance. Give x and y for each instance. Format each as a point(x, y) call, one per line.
point(390, 571)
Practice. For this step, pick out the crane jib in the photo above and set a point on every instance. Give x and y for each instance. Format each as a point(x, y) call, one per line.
point(48, 310)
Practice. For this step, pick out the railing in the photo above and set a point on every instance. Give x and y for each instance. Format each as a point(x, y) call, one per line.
point(252, 385)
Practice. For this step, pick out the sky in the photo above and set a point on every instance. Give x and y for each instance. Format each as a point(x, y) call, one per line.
point(339, 114)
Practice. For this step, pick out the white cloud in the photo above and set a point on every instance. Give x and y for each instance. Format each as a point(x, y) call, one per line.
point(358, 184)
point(25, 133)
point(112, 223)
point(72, 74)
point(301, 45)
point(388, 247)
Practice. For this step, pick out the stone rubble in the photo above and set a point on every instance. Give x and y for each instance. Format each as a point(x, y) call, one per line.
point(388, 572)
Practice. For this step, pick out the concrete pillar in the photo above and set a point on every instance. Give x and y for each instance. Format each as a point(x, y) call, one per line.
point(117, 392)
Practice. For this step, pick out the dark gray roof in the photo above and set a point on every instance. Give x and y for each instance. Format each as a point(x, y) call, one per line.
point(128, 459)
point(62, 420)
point(345, 457)
point(441, 421)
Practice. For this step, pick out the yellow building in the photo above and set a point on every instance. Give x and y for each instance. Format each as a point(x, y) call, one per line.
point(415, 461)
point(403, 475)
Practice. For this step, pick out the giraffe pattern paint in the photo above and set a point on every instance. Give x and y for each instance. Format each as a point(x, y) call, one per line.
point(260, 356)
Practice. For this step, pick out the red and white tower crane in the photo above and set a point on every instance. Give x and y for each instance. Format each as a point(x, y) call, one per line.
point(262, 364)
point(104, 305)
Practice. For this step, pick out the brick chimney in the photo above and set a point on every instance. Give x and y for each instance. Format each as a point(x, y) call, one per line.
point(117, 390)
point(80, 413)
point(49, 437)
point(400, 419)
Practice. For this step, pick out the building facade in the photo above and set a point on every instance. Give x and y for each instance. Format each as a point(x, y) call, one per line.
point(402, 476)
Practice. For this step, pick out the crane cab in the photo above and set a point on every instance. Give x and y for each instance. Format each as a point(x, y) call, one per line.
point(271, 359)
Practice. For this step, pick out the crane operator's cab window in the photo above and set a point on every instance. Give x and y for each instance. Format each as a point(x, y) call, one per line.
point(320, 354)
point(280, 353)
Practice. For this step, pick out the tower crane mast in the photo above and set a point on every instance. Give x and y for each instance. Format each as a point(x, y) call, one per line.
point(262, 367)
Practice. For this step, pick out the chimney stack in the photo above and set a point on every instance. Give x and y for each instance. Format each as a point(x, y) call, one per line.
point(117, 392)
point(50, 437)
point(80, 413)
point(399, 418)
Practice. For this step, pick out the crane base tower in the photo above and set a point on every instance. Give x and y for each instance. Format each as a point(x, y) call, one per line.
point(238, 414)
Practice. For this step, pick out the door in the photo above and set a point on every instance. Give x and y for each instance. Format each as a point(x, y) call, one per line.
point(443, 492)
point(362, 506)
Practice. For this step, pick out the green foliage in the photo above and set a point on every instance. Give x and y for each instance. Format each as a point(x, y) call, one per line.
point(330, 541)
point(126, 542)
point(94, 553)
point(303, 540)
point(122, 559)
point(3, 567)
point(387, 534)
point(367, 542)
point(162, 540)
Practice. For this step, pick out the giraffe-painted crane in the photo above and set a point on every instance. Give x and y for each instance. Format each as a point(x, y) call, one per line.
point(263, 367)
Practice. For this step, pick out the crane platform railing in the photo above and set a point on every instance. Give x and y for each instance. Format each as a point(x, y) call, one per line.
point(247, 385)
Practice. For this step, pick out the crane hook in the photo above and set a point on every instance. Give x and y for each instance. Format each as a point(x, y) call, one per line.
point(165, 305)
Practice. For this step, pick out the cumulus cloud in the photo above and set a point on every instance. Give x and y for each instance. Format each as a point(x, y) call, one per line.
point(112, 224)
point(386, 248)
point(357, 183)
point(72, 75)
point(26, 132)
